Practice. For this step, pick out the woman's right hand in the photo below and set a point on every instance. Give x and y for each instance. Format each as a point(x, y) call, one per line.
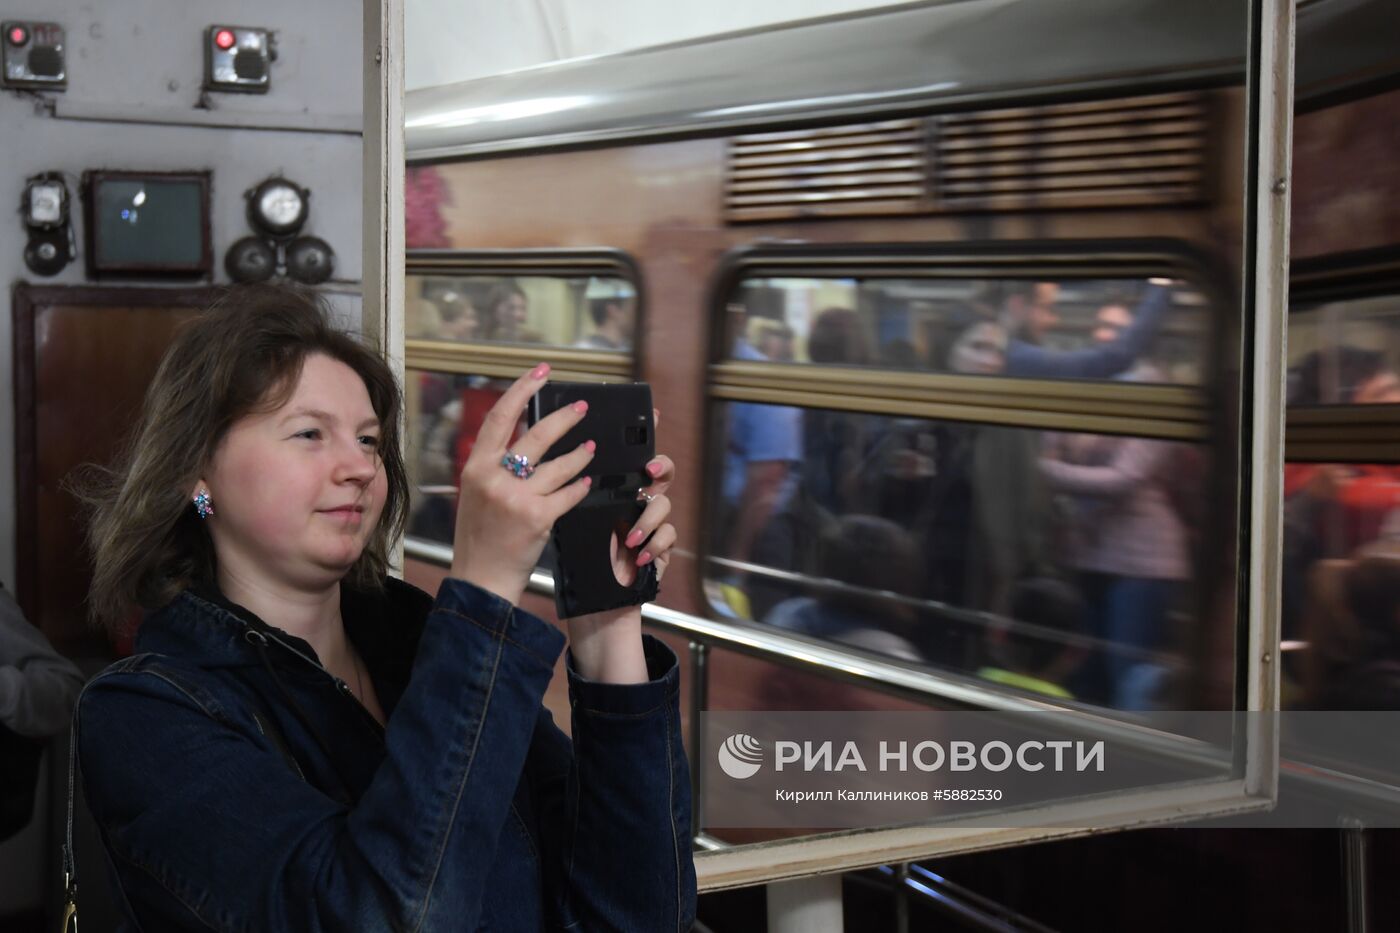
point(503, 521)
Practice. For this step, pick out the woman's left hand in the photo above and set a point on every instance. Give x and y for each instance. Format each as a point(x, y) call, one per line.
point(605, 645)
point(652, 537)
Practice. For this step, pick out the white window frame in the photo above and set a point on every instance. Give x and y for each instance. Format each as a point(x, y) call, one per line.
point(1270, 85)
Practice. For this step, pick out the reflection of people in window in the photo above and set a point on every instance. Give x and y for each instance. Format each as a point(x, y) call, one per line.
point(612, 306)
point(869, 555)
point(837, 443)
point(460, 321)
point(760, 477)
point(1029, 310)
point(986, 504)
point(1333, 509)
point(1125, 536)
point(774, 341)
point(1353, 632)
point(1130, 547)
point(507, 310)
point(1037, 661)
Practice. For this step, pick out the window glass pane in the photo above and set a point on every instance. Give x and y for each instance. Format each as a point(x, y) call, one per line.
point(1345, 353)
point(1054, 563)
point(1341, 586)
point(585, 312)
point(445, 412)
point(1072, 329)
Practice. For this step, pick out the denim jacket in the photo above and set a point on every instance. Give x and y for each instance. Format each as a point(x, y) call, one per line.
point(239, 786)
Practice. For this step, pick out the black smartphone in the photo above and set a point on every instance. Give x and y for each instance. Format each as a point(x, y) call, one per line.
point(619, 421)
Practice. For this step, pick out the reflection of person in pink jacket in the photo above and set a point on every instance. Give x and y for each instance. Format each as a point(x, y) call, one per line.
point(1130, 547)
point(1127, 540)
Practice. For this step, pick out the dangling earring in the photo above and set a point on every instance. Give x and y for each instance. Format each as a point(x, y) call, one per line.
point(202, 505)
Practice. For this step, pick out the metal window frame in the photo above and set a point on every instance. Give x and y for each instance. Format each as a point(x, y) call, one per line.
point(1171, 412)
point(1266, 284)
point(1265, 287)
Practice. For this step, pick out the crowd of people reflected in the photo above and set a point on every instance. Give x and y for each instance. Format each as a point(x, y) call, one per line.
point(1341, 560)
point(1056, 564)
point(586, 312)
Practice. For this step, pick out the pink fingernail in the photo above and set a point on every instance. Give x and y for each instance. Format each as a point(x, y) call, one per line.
point(580, 407)
point(540, 371)
point(654, 468)
point(590, 445)
point(644, 559)
point(587, 481)
point(635, 538)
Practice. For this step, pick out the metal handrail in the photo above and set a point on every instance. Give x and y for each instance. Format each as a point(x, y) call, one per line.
point(970, 617)
point(899, 679)
point(889, 676)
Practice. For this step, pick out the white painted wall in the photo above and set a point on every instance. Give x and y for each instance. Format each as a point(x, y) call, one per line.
point(143, 59)
point(455, 40)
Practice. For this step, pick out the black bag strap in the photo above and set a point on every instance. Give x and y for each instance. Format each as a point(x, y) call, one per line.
point(70, 868)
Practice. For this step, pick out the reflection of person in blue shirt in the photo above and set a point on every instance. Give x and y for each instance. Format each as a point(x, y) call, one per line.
point(1030, 312)
point(765, 446)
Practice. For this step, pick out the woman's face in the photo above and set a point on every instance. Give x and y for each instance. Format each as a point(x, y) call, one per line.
point(463, 326)
point(298, 491)
point(511, 315)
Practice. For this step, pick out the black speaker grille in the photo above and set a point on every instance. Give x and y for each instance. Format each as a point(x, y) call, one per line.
point(45, 61)
point(250, 65)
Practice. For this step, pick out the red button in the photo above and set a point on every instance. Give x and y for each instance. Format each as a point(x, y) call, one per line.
point(18, 35)
point(224, 39)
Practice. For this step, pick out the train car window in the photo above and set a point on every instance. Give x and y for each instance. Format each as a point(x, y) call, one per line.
point(1345, 352)
point(1120, 328)
point(445, 413)
point(1341, 586)
point(1055, 563)
point(1341, 557)
point(474, 321)
point(584, 312)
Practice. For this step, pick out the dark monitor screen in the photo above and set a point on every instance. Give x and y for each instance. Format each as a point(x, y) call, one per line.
point(148, 224)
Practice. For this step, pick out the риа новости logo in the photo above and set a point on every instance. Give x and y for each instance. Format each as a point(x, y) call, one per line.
point(741, 756)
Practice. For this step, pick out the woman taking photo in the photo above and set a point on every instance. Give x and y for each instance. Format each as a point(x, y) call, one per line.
point(303, 743)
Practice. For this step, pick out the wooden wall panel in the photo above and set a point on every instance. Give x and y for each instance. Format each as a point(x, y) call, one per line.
point(83, 359)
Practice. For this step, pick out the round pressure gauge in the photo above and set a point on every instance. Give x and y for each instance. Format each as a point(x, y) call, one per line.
point(45, 203)
point(278, 207)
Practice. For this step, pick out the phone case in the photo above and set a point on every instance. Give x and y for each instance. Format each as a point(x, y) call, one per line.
point(619, 420)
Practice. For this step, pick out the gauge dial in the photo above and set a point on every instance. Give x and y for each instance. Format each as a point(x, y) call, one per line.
point(281, 205)
point(46, 204)
point(278, 206)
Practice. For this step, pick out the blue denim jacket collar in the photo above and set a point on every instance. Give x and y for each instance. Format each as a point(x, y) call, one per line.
point(202, 626)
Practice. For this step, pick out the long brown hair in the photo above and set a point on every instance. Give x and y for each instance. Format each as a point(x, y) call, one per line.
point(242, 356)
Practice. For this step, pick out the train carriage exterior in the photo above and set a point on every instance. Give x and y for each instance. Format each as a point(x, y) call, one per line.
point(694, 215)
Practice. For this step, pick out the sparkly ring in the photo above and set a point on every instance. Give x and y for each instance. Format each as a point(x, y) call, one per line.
point(519, 464)
point(644, 497)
